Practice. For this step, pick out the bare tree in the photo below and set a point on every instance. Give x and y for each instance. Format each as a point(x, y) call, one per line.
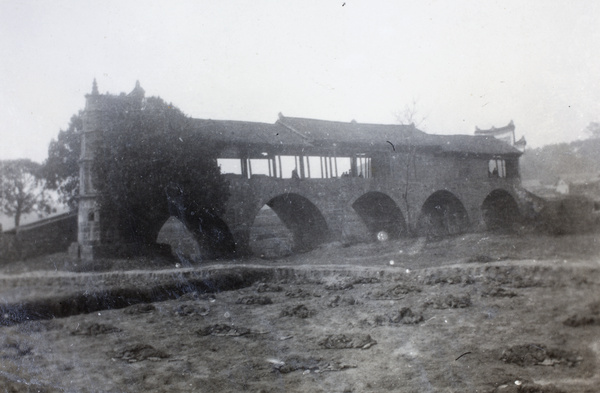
point(409, 116)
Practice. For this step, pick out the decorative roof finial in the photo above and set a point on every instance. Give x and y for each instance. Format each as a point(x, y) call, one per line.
point(95, 88)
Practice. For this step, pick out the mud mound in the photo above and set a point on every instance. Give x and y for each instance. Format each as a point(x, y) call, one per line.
point(366, 280)
point(139, 352)
point(349, 341)
point(94, 329)
point(300, 293)
point(394, 293)
point(223, 330)
point(339, 285)
point(299, 311)
point(14, 347)
point(498, 292)
point(14, 384)
point(186, 310)
point(582, 320)
point(524, 276)
point(307, 364)
point(443, 302)
point(266, 287)
point(251, 299)
point(539, 355)
point(448, 276)
point(594, 307)
point(405, 316)
point(590, 316)
point(337, 301)
point(518, 386)
point(295, 362)
point(535, 388)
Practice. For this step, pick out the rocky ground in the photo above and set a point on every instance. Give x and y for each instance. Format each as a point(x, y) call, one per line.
point(476, 313)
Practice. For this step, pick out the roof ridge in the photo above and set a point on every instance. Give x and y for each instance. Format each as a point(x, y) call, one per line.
point(352, 123)
point(233, 121)
point(509, 126)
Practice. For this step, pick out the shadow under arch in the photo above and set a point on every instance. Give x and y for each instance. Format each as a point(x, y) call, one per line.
point(500, 211)
point(442, 214)
point(292, 219)
point(135, 230)
point(379, 212)
point(209, 232)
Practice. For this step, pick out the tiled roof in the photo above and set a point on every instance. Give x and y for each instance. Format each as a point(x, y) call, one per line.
point(301, 132)
point(477, 144)
point(381, 135)
point(323, 131)
point(244, 132)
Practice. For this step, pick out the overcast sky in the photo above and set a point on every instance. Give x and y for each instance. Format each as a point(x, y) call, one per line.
point(465, 63)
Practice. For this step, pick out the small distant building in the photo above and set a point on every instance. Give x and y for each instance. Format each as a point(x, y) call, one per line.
point(583, 184)
point(505, 134)
point(562, 187)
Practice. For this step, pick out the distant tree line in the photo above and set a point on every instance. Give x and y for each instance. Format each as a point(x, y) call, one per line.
point(61, 168)
point(550, 162)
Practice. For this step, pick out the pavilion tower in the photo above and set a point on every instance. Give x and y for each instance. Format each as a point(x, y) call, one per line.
point(92, 233)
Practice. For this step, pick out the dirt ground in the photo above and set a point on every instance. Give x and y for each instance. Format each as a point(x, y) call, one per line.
point(474, 313)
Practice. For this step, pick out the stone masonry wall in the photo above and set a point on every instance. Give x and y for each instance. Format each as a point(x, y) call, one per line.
point(47, 236)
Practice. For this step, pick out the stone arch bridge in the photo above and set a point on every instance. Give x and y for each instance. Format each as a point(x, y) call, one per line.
point(334, 181)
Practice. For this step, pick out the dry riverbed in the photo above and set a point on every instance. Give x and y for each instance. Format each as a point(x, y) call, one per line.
point(478, 313)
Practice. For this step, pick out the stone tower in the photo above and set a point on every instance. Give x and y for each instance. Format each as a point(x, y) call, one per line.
point(91, 236)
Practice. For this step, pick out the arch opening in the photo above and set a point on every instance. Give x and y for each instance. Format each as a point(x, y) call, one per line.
point(269, 236)
point(182, 242)
point(379, 213)
point(442, 214)
point(287, 223)
point(500, 211)
point(196, 236)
